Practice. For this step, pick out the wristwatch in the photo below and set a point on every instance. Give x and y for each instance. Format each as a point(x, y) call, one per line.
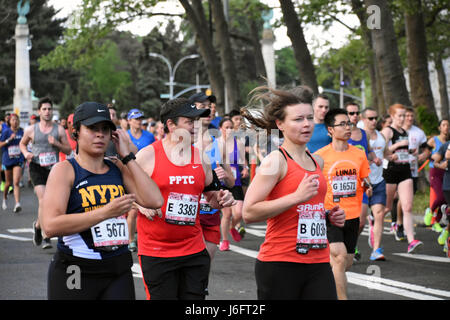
point(128, 158)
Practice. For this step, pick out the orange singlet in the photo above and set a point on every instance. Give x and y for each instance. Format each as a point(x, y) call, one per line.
point(302, 225)
point(178, 232)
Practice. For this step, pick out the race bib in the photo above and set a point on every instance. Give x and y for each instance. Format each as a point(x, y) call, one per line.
point(205, 207)
point(47, 159)
point(111, 232)
point(343, 187)
point(14, 151)
point(311, 231)
point(181, 209)
point(402, 156)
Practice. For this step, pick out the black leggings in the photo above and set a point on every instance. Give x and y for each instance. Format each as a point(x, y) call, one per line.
point(294, 281)
point(67, 281)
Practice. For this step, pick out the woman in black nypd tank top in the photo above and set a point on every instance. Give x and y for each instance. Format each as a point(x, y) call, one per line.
point(85, 204)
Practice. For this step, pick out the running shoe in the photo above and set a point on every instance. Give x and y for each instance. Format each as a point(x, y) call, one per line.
point(241, 231)
point(399, 234)
point(444, 219)
point(442, 239)
point(427, 217)
point(370, 238)
point(414, 245)
point(4, 205)
point(224, 245)
point(235, 234)
point(2, 186)
point(132, 246)
point(37, 237)
point(17, 208)
point(357, 256)
point(47, 244)
point(436, 227)
point(393, 227)
point(377, 255)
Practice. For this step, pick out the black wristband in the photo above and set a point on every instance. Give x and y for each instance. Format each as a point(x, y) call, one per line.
point(128, 158)
point(215, 185)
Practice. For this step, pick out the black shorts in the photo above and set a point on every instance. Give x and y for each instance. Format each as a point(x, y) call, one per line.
point(73, 278)
point(294, 281)
point(38, 174)
point(397, 174)
point(347, 234)
point(177, 278)
point(238, 193)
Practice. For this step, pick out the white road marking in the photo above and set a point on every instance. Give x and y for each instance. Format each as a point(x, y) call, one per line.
point(7, 236)
point(423, 257)
point(392, 286)
point(21, 230)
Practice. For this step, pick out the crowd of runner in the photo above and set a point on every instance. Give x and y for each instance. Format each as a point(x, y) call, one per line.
point(177, 189)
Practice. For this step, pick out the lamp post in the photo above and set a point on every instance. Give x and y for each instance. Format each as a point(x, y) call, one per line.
point(173, 70)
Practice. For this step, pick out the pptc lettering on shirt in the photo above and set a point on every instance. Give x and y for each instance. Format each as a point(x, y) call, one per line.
point(181, 180)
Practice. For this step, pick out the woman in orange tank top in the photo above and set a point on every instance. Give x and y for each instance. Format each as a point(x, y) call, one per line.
point(288, 192)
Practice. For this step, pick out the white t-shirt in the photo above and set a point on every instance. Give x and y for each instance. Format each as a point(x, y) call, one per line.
point(416, 137)
point(378, 145)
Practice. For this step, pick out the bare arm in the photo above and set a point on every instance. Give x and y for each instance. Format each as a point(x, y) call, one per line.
point(27, 137)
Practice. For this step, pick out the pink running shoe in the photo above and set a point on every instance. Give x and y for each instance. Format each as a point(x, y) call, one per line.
point(224, 245)
point(235, 234)
point(412, 247)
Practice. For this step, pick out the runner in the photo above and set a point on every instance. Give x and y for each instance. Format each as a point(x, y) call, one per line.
point(359, 140)
point(288, 192)
point(174, 260)
point(441, 161)
point(377, 201)
point(12, 160)
point(70, 139)
point(84, 205)
point(48, 139)
point(397, 174)
point(320, 137)
point(140, 138)
point(433, 214)
point(233, 152)
point(346, 171)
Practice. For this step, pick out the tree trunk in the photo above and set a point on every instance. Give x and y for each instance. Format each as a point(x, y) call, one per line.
point(196, 17)
point(259, 59)
point(226, 54)
point(377, 100)
point(442, 87)
point(388, 58)
point(419, 78)
point(301, 52)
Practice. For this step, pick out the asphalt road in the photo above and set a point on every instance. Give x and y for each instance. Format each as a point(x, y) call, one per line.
point(423, 276)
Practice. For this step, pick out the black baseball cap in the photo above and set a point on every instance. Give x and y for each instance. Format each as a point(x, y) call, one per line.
point(89, 113)
point(198, 97)
point(187, 110)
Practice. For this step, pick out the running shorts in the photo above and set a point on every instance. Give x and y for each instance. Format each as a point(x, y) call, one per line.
point(38, 174)
point(279, 280)
point(73, 278)
point(348, 234)
point(397, 174)
point(211, 233)
point(378, 194)
point(176, 278)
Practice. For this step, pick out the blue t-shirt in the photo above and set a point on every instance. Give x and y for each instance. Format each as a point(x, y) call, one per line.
point(446, 180)
point(146, 139)
point(11, 151)
point(361, 143)
point(319, 139)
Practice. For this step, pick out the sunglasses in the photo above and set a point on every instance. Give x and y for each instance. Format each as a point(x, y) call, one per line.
point(353, 113)
point(372, 118)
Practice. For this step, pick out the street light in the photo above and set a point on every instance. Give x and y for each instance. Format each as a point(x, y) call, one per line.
point(172, 71)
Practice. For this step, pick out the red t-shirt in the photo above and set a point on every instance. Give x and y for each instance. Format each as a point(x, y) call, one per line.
point(178, 232)
point(304, 222)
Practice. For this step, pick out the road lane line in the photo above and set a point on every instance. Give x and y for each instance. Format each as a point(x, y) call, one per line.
point(7, 236)
point(21, 230)
point(391, 286)
point(423, 257)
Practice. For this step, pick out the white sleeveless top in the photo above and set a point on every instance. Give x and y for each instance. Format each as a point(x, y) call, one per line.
point(378, 145)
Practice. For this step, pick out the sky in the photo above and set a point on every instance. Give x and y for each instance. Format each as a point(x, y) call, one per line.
point(316, 36)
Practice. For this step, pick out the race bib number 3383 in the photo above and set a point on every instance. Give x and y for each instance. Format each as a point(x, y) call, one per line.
point(182, 209)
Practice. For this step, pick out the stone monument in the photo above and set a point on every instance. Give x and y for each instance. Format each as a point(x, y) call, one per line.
point(22, 92)
point(268, 51)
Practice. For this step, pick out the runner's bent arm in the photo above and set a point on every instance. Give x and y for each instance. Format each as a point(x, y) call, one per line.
point(272, 170)
point(25, 141)
point(55, 221)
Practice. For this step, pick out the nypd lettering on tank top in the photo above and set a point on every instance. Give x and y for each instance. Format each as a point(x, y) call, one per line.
point(92, 191)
